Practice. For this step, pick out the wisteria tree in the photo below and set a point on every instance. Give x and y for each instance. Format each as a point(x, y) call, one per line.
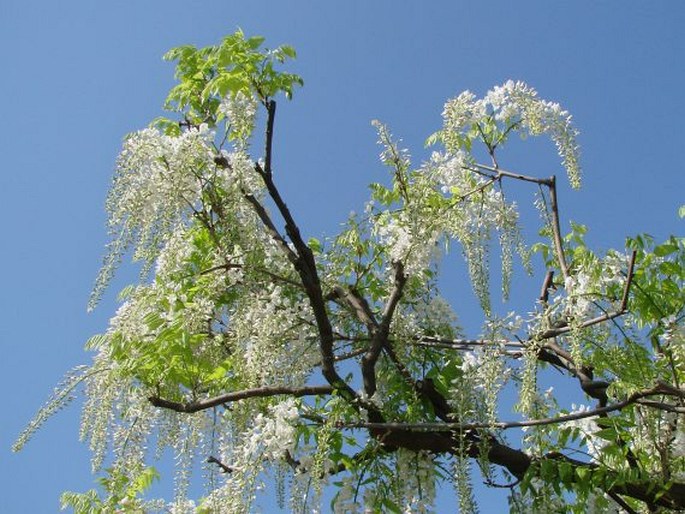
point(310, 365)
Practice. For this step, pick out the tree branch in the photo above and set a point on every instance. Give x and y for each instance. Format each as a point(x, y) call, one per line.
point(621, 502)
point(380, 335)
point(357, 303)
point(305, 265)
point(268, 143)
point(509, 174)
point(546, 286)
point(213, 460)
point(260, 392)
point(556, 226)
point(629, 281)
point(557, 331)
point(659, 389)
point(464, 344)
point(441, 438)
point(269, 225)
point(551, 185)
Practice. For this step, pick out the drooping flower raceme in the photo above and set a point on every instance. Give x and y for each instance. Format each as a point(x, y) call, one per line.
point(238, 310)
point(513, 106)
point(463, 111)
point(444, 199)
point(516, 102)
point(587, 428)
point(241, 110)
point(158, 178)
point(274, 434)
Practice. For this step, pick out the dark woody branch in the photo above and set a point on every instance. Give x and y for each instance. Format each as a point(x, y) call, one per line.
point(260, 392)
point(497, 173)
point(556, 226)
point(443, 438)
point(259, 209)
point(213, 460)
point(661, 389)
point(518, 462)
point(269, 225)
point(557, 331)
point(305, 265)
point(350, 298)
point(464, 344)
point(268, 150)
point(380, 335)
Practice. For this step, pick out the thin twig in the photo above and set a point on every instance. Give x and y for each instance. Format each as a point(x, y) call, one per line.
point(464, 343)
point(629, 281)
point(556, 226)
point(659, 389)
point(511, 174)
point(349, 355)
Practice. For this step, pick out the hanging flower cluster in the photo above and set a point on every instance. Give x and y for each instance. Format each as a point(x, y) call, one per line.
point(157, 180)
point(340, 362)
point(513, 106)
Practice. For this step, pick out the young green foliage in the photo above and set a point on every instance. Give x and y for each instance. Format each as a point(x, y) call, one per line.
point(339, 362)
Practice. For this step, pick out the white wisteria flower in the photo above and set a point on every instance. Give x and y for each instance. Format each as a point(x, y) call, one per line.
point(241, 111)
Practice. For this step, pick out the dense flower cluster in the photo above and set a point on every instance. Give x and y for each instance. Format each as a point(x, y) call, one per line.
point(445, 200)
point(207, 357)
point(276, 330)
point(274, 434)
point(515, 106)
point(157, 180)
point(407, 242)
point(587, 427)
point(241, 111)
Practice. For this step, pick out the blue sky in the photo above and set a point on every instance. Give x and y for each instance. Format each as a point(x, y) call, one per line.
point(78, 75)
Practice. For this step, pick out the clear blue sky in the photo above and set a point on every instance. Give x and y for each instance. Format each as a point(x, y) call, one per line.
point(78, 75)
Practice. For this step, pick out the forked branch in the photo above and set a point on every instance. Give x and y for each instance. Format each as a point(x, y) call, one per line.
point(380, 336)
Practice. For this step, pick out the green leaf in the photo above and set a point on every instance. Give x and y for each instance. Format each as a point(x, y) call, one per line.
point(548, 470)
point(582, 473)
point(390, 506)
point(670, 268)
point(97, 341)
point(255, 42)
point(608, 434)
point(315, 245)
point(289, 51)
point(665, 249)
